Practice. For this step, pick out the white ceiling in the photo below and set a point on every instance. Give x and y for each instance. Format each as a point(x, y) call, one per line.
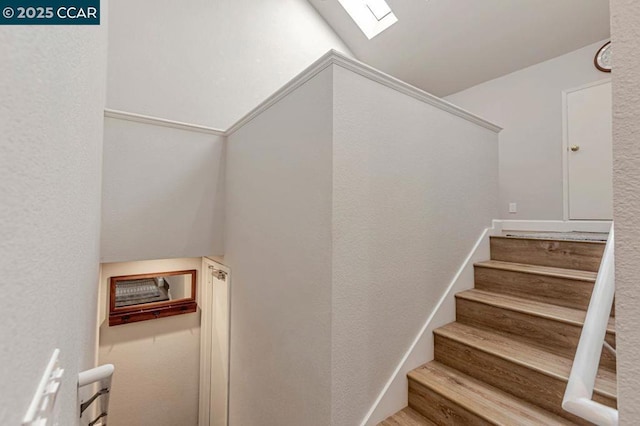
point(444, 46)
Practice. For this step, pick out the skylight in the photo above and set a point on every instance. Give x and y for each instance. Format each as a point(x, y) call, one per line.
point(372, 16)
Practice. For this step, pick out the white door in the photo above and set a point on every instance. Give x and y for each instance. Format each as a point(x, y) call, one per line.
point(589, 157)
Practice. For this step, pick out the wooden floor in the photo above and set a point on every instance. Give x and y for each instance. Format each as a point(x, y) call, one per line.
point(507, 358)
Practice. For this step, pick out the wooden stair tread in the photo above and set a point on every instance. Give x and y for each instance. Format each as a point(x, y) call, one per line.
point(572, 274)
point(524, 354)
point(407, 417)
point(531, 307)
point(485, 401)
point(508, 358)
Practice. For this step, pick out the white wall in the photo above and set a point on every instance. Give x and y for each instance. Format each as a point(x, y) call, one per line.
point(157, 362)
point(201, 62)
point(209, 62)
point(528, 105)
point(52, 92)
point(413, 188)
point(625, 21)
point(162, 192)
point(278, 245)
point(347, 216)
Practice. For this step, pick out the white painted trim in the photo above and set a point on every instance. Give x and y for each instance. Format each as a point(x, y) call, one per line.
point(311, 71)
point(156, 121)
point(207, 328)
point(588, 85)
point(393, 396)
point(336, 58)
point(565, 142)
point(205, 296)
point(99, 319)
point(332, 57)
point(553, 225)
point(565, 158)
point(409, 90)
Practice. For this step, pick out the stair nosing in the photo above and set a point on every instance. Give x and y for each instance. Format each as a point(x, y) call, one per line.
point(531, 270)
point(465, 295)
point(496, 352)
point(509, 358)
point(548, 239)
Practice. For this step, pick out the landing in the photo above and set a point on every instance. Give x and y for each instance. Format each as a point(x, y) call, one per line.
point(568, 236)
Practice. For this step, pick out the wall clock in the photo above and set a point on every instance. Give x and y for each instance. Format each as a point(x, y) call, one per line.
point(602, 60)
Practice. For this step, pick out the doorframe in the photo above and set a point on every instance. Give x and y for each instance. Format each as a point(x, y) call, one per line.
point(565, 142)
point(208, 327)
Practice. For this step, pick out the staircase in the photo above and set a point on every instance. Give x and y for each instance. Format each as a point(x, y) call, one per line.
point(506, 360)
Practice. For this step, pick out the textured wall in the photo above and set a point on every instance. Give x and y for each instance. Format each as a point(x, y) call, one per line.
point(203, 62)
point(625, 32)
point(413, 188)
point(162, 192)
point(52, 93)
point(157, 362)
point(209, 62)
point(347, 207)
point(278, 245)
point(528, 105)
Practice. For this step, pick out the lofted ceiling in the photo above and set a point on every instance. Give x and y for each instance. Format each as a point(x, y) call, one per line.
point(444, 46)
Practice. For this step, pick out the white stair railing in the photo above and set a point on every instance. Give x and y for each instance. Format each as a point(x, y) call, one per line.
point(579, 392)
point(101, 376)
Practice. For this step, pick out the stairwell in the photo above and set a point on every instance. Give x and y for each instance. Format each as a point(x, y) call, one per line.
point(507, 358)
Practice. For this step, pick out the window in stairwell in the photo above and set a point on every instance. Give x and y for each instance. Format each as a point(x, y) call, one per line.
point(372, 16)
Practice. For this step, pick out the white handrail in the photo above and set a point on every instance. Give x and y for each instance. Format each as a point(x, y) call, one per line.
point(98, 374)
point(577, 397)
point(101, 375)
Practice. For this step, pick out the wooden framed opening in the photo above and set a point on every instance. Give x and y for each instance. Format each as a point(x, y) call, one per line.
point(142, 297)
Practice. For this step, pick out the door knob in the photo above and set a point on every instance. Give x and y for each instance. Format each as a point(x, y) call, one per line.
point(575, 148)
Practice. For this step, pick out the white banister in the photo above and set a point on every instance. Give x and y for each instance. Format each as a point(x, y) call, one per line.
point(578, 394)
point(101, 376)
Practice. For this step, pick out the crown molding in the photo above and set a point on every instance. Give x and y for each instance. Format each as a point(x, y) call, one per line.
point(311, 71)
point(156, 121)
point(332, 57)
point(409, 90)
